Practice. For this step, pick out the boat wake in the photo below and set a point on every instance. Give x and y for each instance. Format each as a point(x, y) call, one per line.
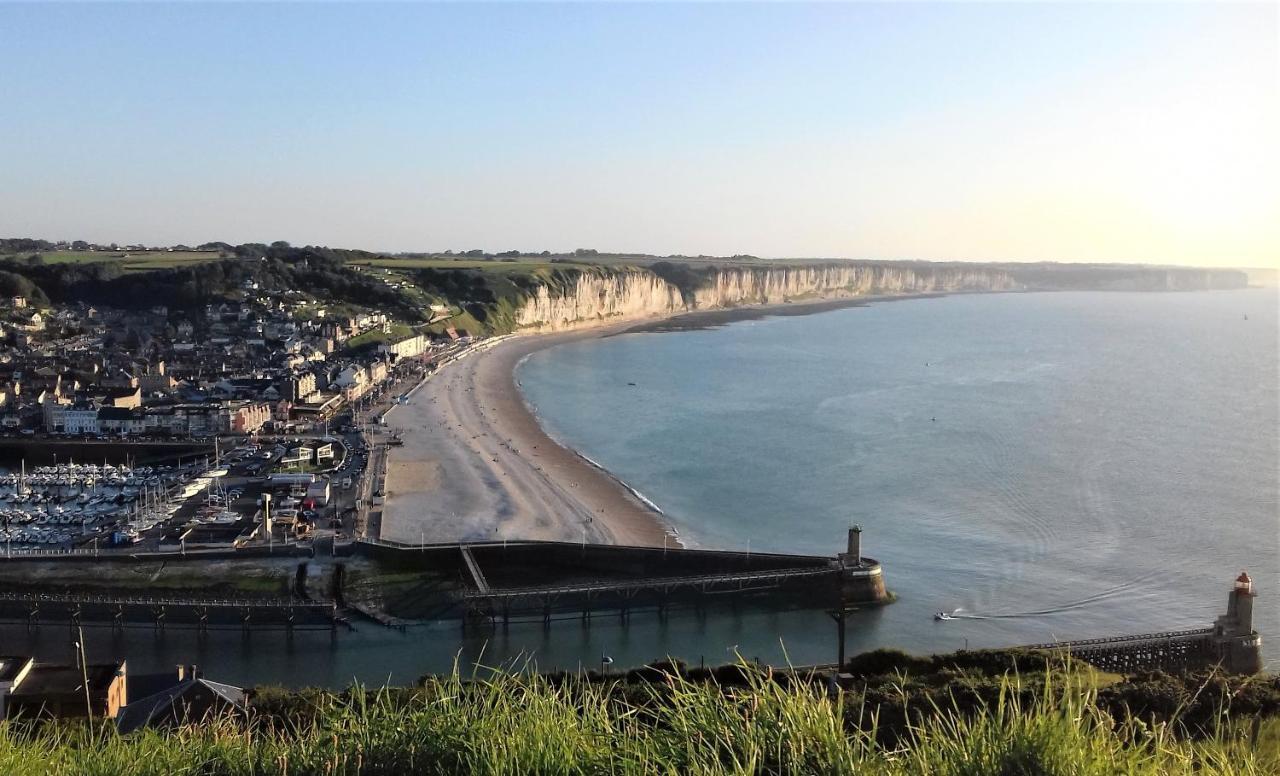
point(960, 613)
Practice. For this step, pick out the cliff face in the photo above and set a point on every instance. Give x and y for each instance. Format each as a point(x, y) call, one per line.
point(1119, 277)
point(597, 297)
point(750, 285)
point(1204, 279)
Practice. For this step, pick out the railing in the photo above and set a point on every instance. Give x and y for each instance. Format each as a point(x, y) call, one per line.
point(1126, 640)
point(665, 583)
point(36, 552)
point(172, 552)
point(394, 545)
point(110, 600)
point(477, 575)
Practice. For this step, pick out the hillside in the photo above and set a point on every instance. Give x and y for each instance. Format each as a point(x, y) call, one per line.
point(490, 295)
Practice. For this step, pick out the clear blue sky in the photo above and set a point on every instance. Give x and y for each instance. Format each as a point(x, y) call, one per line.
point(961, 131)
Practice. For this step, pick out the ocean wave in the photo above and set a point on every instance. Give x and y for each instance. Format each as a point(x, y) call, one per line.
point(667, 527)
point(547, 429)
point(643, 499)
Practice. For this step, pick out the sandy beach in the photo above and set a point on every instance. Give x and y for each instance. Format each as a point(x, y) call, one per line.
point(475, 464)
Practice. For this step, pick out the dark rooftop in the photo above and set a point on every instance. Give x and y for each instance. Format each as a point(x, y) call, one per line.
point(51, 680)
point(11, 666)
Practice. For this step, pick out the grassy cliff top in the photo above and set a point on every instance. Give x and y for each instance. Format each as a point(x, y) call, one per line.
point(476, 292)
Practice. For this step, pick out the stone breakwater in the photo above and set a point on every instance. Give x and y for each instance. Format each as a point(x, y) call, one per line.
point(598, 297)
point(603, 295)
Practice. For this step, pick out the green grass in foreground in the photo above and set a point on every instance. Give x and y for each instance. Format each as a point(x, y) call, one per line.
point(511, 724)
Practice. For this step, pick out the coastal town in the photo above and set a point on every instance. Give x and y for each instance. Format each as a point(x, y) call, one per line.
point(234, 425)
point(639, 388)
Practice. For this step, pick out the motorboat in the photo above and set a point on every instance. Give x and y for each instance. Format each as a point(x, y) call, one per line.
point(943, 616)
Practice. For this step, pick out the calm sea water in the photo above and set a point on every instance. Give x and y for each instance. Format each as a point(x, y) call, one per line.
point(1052, 465)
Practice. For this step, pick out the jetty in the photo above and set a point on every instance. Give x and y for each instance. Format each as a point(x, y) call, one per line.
point(1231, 643)
point(505, 581)
point(159, 611)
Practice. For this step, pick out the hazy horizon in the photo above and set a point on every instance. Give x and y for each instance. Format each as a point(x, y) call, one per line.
point(1070, 133)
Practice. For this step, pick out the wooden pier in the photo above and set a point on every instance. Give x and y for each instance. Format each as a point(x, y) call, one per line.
point(161, 611)
point(1171, 651)
point(1232, 643)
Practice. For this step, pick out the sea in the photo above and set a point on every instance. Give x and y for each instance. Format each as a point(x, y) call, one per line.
point(1042, 466)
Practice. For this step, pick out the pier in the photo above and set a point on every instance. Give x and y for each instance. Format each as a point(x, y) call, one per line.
point(1231, 643)
point(160, 611)
point(480, 583)
point(504, 581)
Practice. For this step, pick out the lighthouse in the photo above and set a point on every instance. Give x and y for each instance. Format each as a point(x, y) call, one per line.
point(853, 551)
point(1239, 645)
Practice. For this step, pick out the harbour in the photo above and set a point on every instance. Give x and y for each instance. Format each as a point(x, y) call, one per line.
point(428, 604)
point(70, 505)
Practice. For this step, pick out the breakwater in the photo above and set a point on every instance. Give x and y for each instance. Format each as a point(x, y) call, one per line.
point(483, 582)
point(502, 581)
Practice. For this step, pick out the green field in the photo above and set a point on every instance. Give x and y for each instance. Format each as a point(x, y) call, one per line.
point(133, 261)
point(398, 332)
point(519, 265)
point(141, 261)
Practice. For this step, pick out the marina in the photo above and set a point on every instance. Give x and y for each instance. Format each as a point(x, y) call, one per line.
point(71, 505)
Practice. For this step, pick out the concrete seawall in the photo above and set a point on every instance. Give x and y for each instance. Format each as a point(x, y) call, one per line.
point(500, 581)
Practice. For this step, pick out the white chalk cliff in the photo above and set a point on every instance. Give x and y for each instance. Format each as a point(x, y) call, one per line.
point(602, 296)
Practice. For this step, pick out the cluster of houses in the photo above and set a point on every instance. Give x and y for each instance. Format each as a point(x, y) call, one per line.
point(30, 689)
point(227, 369)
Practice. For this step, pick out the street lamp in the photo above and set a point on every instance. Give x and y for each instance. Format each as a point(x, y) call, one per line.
point(605, 662)
point(840, 615)
point(84, 674)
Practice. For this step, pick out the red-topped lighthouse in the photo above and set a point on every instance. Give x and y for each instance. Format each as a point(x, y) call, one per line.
point(1239, 645)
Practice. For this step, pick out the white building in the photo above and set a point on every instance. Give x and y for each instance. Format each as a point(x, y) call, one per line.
point(407, 347)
